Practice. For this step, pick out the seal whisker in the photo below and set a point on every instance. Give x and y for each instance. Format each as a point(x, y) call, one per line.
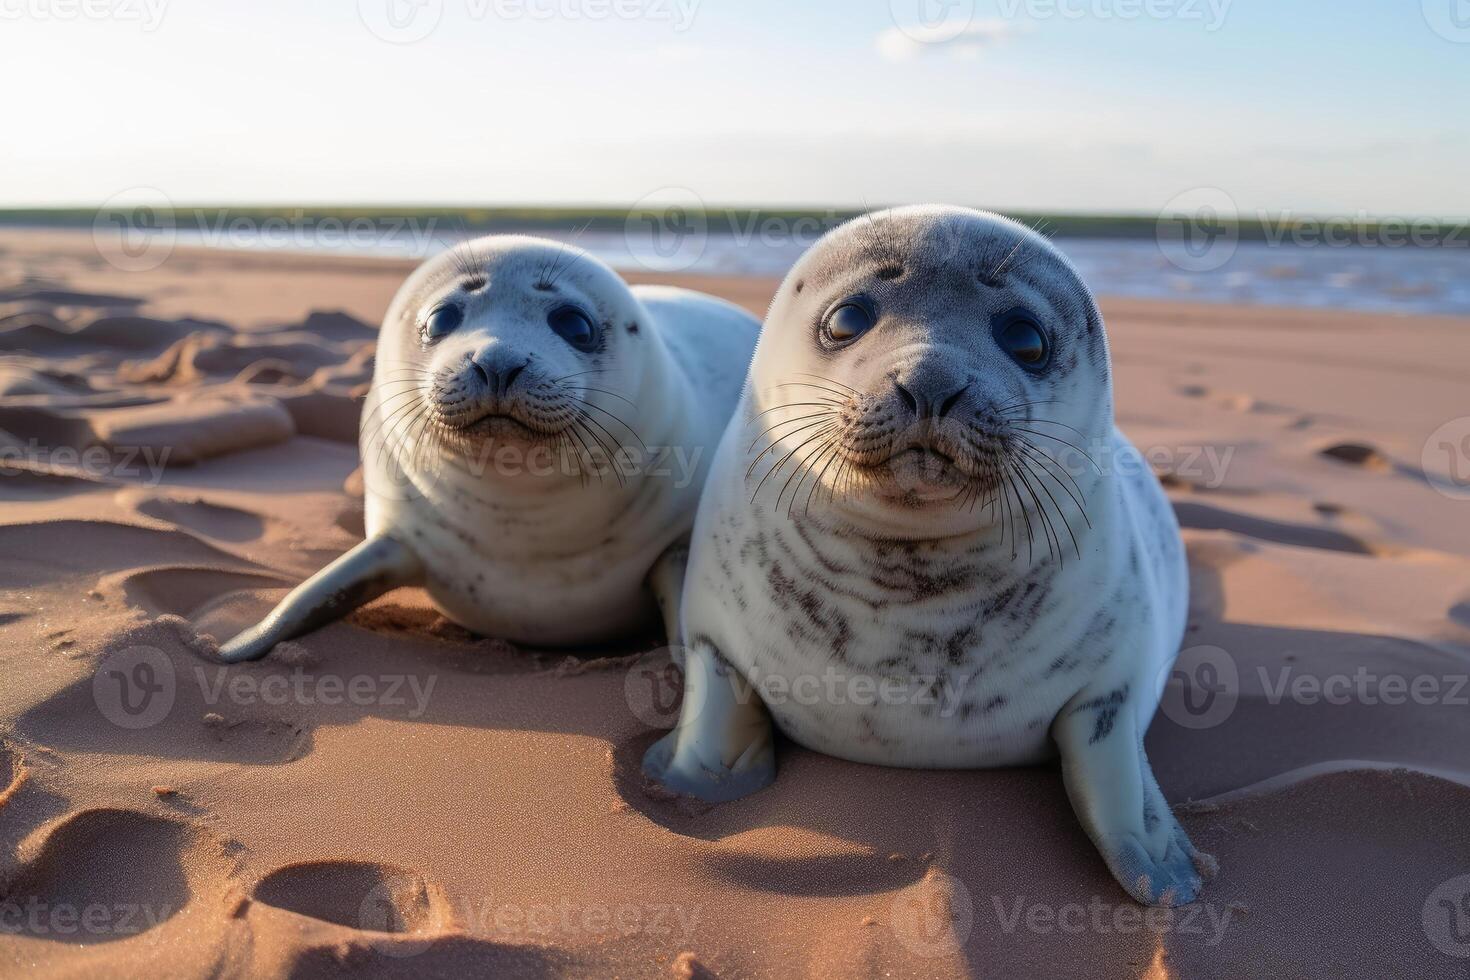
point(774, 445)
point(778, 408)
point(1056, 505)
point(604, 391)
point(799, 418)
point(1069, 445)
point(1042, 458)
point(801, 468)
point(782, 462)
point(1053, 543)
point(586, 404)
point(612, 463)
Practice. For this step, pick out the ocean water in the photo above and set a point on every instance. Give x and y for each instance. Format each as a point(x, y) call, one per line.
point(1384, 278)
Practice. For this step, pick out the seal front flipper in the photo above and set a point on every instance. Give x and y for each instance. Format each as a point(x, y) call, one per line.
point(1115, 795)
point(378, 565)
point(666, 582)
point(722, 747)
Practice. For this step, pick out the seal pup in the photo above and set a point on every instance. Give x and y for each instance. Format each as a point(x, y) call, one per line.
point(533, 447)
point(924, 542)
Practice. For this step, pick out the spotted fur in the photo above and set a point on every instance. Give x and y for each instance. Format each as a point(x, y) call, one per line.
point(955, 592)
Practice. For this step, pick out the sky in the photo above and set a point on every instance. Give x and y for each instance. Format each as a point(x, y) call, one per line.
point(1326, 107)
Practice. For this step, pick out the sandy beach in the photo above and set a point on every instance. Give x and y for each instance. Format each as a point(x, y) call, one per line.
point(392, 796)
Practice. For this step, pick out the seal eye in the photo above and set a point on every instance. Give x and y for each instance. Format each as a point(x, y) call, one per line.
point(573, 326)
point(1020, 337)
point(443, 320)
point(849, 320)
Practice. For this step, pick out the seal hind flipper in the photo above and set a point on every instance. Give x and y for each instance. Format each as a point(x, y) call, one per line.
point(1118, 801)
point(722, 747)
point(378, 565)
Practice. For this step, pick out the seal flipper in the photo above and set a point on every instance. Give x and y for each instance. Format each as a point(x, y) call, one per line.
point(1118, 801)
point(380, 564)
point(722, 747)
point(666, 582)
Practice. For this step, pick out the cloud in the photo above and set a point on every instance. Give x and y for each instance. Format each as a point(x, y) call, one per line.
point(960, 39)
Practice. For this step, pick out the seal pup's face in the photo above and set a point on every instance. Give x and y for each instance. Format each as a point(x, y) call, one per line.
point(509, 347)
point(929, 371)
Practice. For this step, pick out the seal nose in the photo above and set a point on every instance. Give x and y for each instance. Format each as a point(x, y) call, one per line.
point(926, 401)
point(498, 370)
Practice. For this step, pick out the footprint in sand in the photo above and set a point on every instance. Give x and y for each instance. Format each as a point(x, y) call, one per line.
point(105, 874)
point(206, 519)
point(358, 895)
point(192, 593)
point(1358, 454)
point(49, 551)
point(12, 775)
point(1203, 517)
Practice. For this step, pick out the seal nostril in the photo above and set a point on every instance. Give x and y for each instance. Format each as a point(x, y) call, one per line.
point(908, 398)
point(480, 373)
point(510, 377)
point(949, 403)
